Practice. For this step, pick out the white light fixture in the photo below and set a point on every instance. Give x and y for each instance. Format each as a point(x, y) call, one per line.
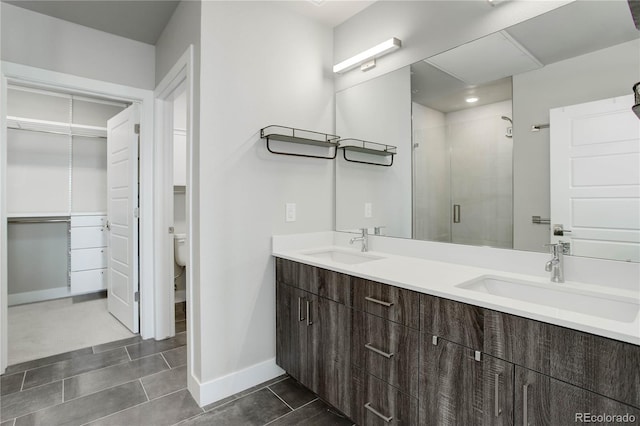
point(367, 58)
point(471, 99)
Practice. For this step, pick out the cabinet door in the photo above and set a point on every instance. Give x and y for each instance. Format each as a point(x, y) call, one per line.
point(497, 391)
point(328, 362)
point(450, 384)
point(291, 331)
point(541, 400)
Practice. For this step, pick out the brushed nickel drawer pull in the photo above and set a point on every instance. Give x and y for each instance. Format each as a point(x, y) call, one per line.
point(378, 351)
point(309, 322)
point(496, 405)
point(377, 413)
point(379, 302)
point(300, 316)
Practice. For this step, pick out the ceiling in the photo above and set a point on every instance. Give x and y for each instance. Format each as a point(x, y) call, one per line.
point(568, 31)
point(144, 20)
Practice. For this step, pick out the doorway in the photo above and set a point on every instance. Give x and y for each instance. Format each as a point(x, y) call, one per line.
point(39, 79)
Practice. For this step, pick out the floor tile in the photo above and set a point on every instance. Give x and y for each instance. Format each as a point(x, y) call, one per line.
point(293, 393)
point(255, 409)
point(166, 382)
point(176, 357)
point(88, 408)
point(21, 403)
point(244, 392)
point(181, 326)
point(7, 423)
point(97, 380)
point(23, 366)
point(117, 344)
point(316, 413)
point(167, 410)
point(78, 365)
point(10, 383)
point(150, 346)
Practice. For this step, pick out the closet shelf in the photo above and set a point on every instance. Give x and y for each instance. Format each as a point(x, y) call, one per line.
point(366, 147)
point(35, 125)
point(299, 136)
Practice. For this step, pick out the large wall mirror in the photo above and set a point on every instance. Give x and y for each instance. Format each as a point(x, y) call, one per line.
point(490, 148)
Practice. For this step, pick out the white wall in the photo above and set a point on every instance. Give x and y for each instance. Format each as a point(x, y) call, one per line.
point(53, 44)
point(263, 65)
point(425, 28)
point(598, 75)
point(377, 111)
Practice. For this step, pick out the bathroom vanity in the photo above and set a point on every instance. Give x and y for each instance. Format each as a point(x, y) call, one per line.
point(404, 354)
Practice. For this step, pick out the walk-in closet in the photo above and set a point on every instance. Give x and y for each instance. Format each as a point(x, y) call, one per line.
point(57, 222)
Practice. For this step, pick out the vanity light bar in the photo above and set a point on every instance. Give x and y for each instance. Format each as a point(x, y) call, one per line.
point(369, 54)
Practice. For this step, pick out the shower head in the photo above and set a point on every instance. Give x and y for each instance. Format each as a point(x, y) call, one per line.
point(504, 117)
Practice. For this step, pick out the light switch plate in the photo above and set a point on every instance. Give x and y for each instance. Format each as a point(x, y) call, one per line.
point(368, 210)
point(290, 212)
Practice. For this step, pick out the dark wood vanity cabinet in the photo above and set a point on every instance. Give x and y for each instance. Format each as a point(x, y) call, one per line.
point(385, 355)
point(313, 338)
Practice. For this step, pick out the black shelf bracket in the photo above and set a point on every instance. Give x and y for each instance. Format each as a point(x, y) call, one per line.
point(299, 136)
point(366, 147)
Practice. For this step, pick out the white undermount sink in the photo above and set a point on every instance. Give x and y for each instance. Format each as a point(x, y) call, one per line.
point(347, 257)
point(618, 308)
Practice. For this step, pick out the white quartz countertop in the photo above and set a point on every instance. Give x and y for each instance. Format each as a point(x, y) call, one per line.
point(442, 279)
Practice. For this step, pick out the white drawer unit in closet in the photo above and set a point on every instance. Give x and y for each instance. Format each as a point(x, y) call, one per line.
point(88, 254)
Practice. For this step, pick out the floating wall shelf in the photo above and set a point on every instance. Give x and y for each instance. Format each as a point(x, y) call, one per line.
point(299, 136)
point(366, 147)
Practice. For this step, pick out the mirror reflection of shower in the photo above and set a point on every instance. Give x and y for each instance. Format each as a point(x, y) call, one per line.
point(509, 133)
point(462, 159)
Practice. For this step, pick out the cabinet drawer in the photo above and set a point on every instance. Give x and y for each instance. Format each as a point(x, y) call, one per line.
point(91, 220)
point(377, 403)
point(601, 365)
point(329, 284)
point(88, 237)
point(385, 349)
point(83, 259)
point(454, 321)
point(88, 281)
point(392, 303)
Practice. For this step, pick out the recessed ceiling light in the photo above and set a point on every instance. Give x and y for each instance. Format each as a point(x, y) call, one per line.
point(471, 99)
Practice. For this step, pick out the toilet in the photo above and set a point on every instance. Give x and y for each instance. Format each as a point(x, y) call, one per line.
point(180, 249)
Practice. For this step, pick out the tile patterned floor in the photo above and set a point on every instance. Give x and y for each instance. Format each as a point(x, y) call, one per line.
point(135, 382)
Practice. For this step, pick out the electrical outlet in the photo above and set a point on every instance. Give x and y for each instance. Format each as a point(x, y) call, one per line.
point(368, 210)
point(290, 212)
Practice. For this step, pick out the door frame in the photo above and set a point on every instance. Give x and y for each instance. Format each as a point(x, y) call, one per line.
point(180, 75)
point(37, 76)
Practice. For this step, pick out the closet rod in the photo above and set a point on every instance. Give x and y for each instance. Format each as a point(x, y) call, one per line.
point(38, 220)
point(57, 133)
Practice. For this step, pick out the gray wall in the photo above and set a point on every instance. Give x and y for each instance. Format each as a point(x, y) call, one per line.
point(53, 44)
point(37, 256)
point(602, 74)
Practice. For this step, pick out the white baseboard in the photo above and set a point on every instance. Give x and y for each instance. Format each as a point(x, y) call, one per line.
point(222, 387)
point(38, 295)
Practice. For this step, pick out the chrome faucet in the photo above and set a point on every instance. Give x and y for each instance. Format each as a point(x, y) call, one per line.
point(364, 237)
point(556, 264)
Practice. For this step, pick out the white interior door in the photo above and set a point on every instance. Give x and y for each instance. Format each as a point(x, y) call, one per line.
point(122, 210)
point(595, 178)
